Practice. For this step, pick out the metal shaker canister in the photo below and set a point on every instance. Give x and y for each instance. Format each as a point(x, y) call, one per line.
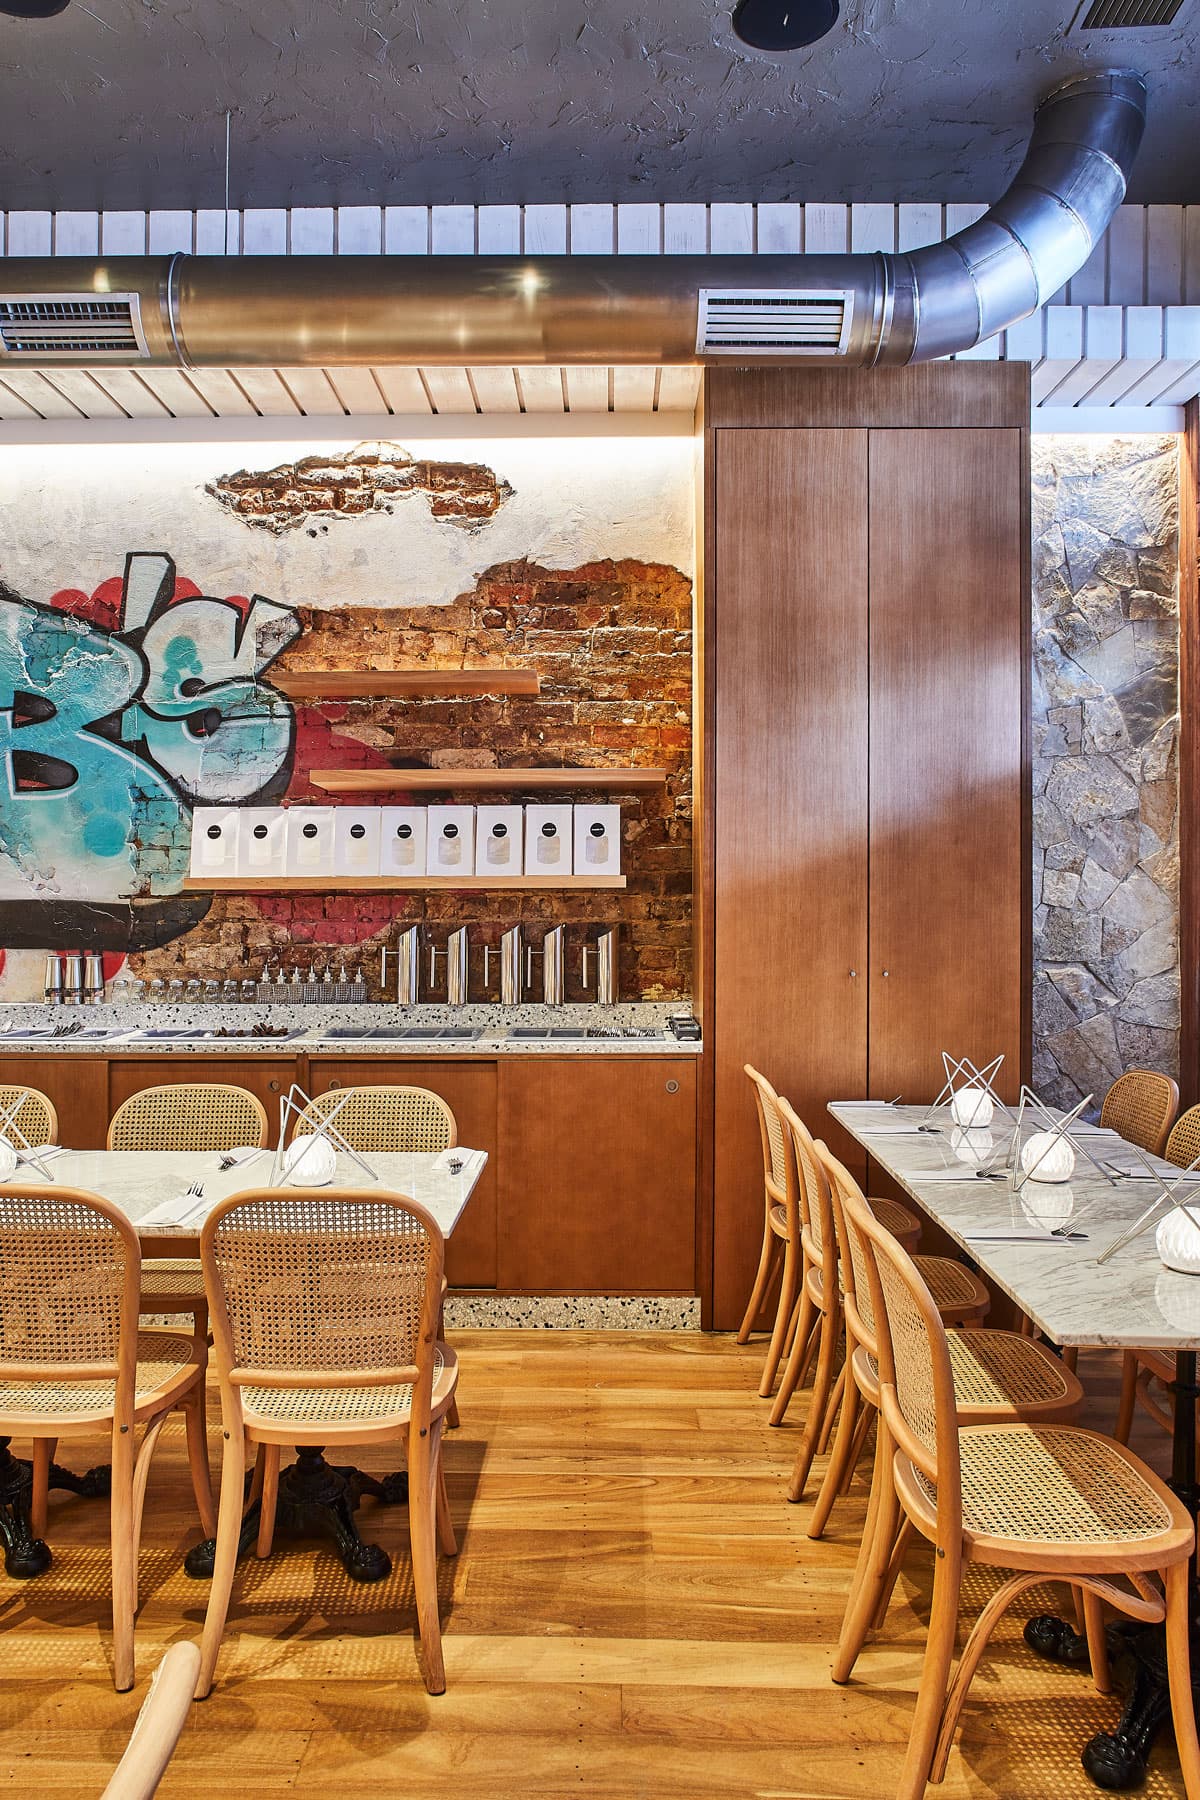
point(606, 949)
point(73, 978)
point(512, 970)
point(52, 989)
point(93, 976)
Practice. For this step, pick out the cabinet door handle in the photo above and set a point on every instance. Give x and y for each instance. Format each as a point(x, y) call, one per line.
point(334, 1084)
point(274, 1086)
point(854, 974)
point(886, 973)
point(672, 1087)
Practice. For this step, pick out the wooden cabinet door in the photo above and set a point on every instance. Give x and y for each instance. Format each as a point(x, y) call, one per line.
point(469, 1090)
point(597, 1175)
point(77, 1088)
point(266, 1077)
point(949, 643)
point(788, 632)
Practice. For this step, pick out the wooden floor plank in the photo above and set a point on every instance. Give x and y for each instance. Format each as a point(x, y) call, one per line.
point(636, 1611)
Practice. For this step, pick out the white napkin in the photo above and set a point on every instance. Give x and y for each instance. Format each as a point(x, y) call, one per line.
point(454, 1161)
point(181, 1210)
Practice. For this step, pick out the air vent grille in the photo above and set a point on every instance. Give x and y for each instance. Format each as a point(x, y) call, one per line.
point(1115, 15)
point(774, 322)
point(58, 327)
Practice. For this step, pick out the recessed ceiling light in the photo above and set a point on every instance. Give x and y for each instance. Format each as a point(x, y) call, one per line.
point(783, 24)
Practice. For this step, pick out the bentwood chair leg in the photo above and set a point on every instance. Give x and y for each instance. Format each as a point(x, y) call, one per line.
point(808, 1325)
point(229, 1525)
point(424, 1455)
point(195, 1419)
point(874, 1556)
point(783, 1317)
point(832, 1411)
point(840, 1463)
point(141, 1475)
point(1129, 1382)
point(935, 1674)
point(268, 1500)
point(856, 1449)
point(1093, 1618)
point(43, 1456)
point(822, 1383)
point(1179, 1678)
point(758, 1292)
point(447, 1542)
point(123, 1555)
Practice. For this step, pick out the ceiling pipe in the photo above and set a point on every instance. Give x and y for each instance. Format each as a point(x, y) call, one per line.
point(251, 312)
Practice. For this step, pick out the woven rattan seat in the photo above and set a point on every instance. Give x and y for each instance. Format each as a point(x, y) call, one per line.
point(35, 1119)
point(73, 1361)
point(325, 1314)
point(899, 1219)
point(163, 1358)
point(383, 1118)
point(1045, 1502)
point(1053, 1485)
point(317, 1407)
point(957, 1290)
point(189, 1115)
point(169, 1277)
point(999, 1376)
point(781, 1256)
point(1141, 1106)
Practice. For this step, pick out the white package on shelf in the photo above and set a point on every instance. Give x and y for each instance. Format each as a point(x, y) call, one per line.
point(214, 840)
point(309, 832)
point(548, 840)
point(450, 845)
point(499, 841)
point(402, 839)
point(597, 840)
point(356, 840)
point(262, 841)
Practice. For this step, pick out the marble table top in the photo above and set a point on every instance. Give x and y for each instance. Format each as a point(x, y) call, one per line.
point(1129, 1301)
point(150, 1186)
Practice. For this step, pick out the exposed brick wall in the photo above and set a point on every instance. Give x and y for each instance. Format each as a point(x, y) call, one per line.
point(612, 642)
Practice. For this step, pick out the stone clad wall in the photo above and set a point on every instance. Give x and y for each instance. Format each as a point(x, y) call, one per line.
point(1105, 724)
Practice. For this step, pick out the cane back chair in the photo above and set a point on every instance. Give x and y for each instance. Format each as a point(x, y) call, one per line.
point(383, 1118)
point(1044, 1502)
point(325, 1319)
point(189, 1115)
point(999, 1376)
point(962, 1298)
point(1143, 1372)
point(1141, 1106)
point(780, 1255)
point(73, 1362)
point(35, 1119)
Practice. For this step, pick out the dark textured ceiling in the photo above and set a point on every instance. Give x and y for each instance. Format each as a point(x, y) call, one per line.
point(121, 103)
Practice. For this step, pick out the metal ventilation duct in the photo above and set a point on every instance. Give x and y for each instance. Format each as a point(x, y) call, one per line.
point(263, 312)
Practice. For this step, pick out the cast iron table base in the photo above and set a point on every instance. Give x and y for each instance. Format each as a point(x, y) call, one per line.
point(25, 1555)
point(1117, 1759)
point(317, 1500)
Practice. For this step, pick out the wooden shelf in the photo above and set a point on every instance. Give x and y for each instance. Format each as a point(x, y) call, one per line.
point(385, 781)
point(372, 684)
point(393, 884)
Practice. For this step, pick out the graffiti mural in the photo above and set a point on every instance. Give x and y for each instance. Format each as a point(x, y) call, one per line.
point(115, 719)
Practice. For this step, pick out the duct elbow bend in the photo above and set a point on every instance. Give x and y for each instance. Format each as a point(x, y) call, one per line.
point(1062, 199)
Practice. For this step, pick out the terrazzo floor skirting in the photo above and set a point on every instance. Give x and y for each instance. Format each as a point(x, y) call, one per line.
point(575, 1312)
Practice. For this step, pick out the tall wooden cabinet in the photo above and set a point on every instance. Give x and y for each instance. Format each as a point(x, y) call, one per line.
point(865, 892)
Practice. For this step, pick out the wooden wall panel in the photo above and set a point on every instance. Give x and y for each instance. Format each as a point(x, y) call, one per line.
point(597, 1174)
point(787, 747)
point(948, 643)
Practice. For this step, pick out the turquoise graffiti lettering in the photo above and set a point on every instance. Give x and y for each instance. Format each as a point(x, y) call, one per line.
point(107, 737)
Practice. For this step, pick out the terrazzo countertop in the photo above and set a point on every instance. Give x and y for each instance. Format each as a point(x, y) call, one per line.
point(122, 1030)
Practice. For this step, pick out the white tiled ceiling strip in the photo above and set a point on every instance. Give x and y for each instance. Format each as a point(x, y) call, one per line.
point(1124, 334)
